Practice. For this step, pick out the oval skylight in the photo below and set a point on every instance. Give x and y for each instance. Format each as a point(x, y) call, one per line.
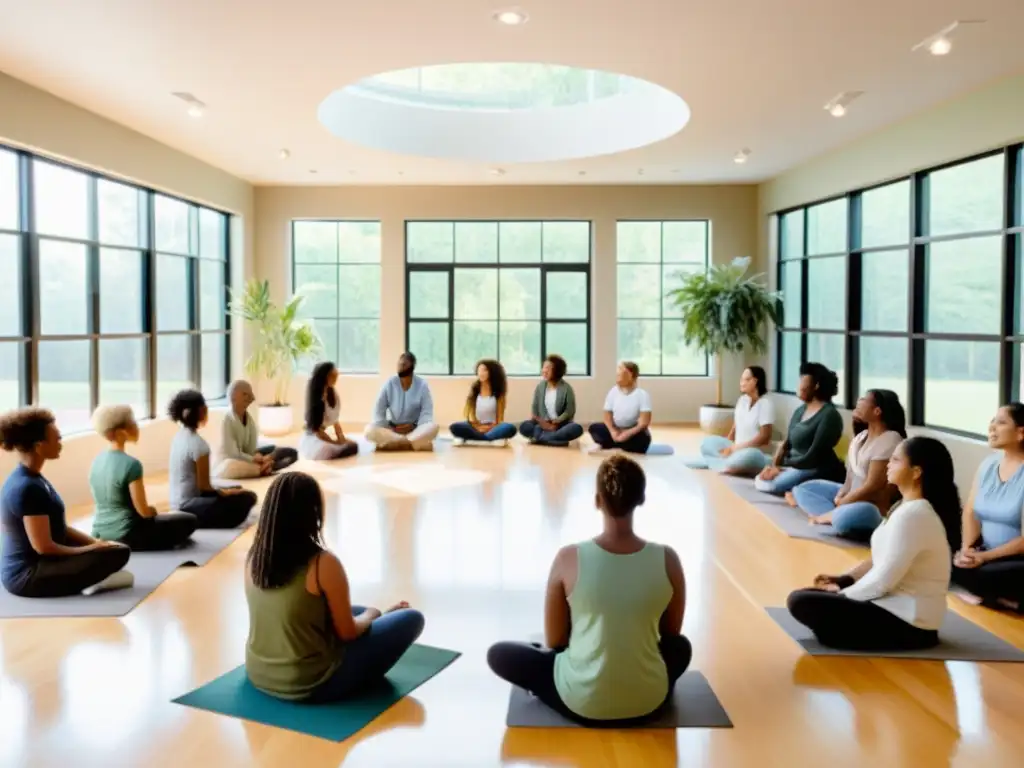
point(503, 112)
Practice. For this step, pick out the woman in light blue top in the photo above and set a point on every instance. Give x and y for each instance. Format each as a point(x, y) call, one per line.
point(991, 563)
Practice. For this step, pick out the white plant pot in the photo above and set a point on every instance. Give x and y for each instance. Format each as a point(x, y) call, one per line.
point(716, 419)
point(275, 420)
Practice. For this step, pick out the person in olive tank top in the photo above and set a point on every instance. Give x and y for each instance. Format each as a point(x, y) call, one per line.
point(307, 642)
point(612, 618)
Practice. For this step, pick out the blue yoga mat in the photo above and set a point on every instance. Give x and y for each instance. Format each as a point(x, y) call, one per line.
point(660, 449)
point(232, 694)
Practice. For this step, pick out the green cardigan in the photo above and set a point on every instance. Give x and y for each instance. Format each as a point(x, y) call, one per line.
point(565, 402)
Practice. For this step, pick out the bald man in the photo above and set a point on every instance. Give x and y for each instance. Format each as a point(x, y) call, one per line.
point(239, 455)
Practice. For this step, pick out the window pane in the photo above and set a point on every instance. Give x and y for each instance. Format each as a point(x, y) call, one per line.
point(885, 280)
point(519, 294)
point(118, 204)
point(792, 234)
point(10, 286)
point(792, 276)
point(677, 358)
point(327, 331)
point(63, 304)
point(64, 382)
point(474, 341)
point(566, 241)
point(430, 241)
point(570, 341)
point(639, 290)
point(212, 296)
point(359, 242)
point(428, 294)
point(62, 201)
point(361, 351)
point(476, 241)
point(173, 368)
point(685, 241)
point(212, 234)
point(173, 227)
point(672, 277)
point(883, 365)
point(789, 376)
point(123, 368)
point(519, 242)
point(826, 293)
point(961, 387)
point(966, 198)
point(172, 290)
point(963, 281)
point(315, 241)
point(885, 215)
point(476, 295)
point(826, 227)
point(519, 348)
point(213, 348)
point(638, 241)
point(120, 291)
point(319, 287)
point(640, 341)
point(429, 342)
point(359, 291)
point(1019, 218)
point(8, 190)
point(12, 356)
point(829, 349)
point(567, 295)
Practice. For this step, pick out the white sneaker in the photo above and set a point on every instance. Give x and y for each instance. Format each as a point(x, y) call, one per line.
point(119, 580)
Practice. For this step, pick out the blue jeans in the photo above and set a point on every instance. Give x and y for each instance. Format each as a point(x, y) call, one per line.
point(465, 431)
point(787, 481)
point(371, 655)
point(562, 436)
point(816, 497)
point(745, 462)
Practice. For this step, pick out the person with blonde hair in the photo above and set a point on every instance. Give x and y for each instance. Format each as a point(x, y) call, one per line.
point(122, 511)
point(239, 454)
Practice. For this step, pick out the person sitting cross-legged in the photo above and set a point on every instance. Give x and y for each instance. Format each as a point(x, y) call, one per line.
point(553, 408)
point(627, 414)
point(324, 439)
point(239, 454)
point(485, 406)
point(403, 416)
point(742, 453)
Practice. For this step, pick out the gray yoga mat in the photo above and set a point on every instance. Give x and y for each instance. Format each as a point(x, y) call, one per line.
point(793, 522)
point(960, 640)
point(694, 705)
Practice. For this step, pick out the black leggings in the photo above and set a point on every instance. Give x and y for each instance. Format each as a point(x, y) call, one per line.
point(215, 510)
point(65, 575)
point(167, 531)
point(852, 625)
point(282, 457)
point(1002, 578)
point(638, 443)
point(532, 667)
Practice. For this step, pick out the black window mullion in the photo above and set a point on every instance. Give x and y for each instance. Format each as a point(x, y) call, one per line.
point(195, 356)
point(918, 286)
point(854, 277)
point(29, 280)
point(1010, 289)
point(92, 287)
point(805, 273)
point(149, 300)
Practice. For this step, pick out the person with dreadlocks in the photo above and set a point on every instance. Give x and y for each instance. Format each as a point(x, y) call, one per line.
point(307, 642)
point(612, 618)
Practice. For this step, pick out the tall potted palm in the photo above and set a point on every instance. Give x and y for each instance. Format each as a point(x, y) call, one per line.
point(281, 341)
point(725, 311)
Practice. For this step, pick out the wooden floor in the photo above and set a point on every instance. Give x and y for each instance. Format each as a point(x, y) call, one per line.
point(467, 535)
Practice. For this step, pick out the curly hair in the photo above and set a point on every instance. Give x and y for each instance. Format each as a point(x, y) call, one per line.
point(186, 408)
point(23, 429)
point(495, 377)
point(108, 418)
point(621, 485)
point(558, 367)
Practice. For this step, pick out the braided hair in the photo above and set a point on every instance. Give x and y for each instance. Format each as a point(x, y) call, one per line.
point(621, 485)
point(290, 530)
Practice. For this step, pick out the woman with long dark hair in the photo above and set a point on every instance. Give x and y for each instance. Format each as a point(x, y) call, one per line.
point(743, 452)
point(485, 406)
point(857, 506)
point(323, 438)
point(896, 599)
point(306, 639)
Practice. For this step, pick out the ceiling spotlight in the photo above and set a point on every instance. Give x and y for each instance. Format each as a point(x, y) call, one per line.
point(836, 106)
point(497, 171)
point(940, 47)
point(284, 154)
point(837, 110)
point(512, 17)
point(741, 157)
point(195, 106)
point(195, 110)
point(940, 44)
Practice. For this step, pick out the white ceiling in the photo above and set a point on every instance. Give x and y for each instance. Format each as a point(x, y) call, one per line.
point(754, 72)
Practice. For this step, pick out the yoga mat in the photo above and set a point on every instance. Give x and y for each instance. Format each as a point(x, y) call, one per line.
point(660, 449)
point(694, 705)
point(457, 443)
point(960, 640)
point(791, 521)
point(232, 695)
point(696, 462)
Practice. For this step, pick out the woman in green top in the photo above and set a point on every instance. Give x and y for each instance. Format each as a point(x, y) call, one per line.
point(122, 512)
point(814, 430)
point(612, 618)
point(307, 642)
point(553, 408)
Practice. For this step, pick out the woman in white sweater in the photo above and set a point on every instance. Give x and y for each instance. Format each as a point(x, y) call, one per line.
point(896, 599)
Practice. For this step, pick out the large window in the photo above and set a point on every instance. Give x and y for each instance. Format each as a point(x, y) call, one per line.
point(337, 268)
point(114, 294)
point(653, 257)
point(930, 268)
point(511, 290)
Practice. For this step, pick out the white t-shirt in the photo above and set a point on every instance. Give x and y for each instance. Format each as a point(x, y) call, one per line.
point(550, 397)
point(486, 409)
point(332, 413)
point(750, 418)
point(626, 407)
point(865, 449)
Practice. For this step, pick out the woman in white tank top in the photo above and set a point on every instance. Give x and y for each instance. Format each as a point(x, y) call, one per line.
point(485, 407)
point(323, 438)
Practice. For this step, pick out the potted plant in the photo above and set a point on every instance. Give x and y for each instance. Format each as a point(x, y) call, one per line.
point(281, 342)
point(725, 311)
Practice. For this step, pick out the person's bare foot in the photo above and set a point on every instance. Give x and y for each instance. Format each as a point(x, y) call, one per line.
point(790, 499)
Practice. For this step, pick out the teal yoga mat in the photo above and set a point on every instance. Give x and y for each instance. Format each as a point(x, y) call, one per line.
point(232, 694)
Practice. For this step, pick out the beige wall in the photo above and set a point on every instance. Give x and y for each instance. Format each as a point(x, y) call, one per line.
point(731, 209)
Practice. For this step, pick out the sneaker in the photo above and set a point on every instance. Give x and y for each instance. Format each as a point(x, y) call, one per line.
point(119, 580)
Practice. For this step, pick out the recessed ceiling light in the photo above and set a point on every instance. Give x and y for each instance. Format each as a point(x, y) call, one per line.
point(195, 110)
point(312, 170)
point(582, 173)
point(284, 154)
point(940, 44)
point(512, 17)
point(837, 110)
point(741, 157)
point(497, 171)
point(836, 106)
point(195, 106)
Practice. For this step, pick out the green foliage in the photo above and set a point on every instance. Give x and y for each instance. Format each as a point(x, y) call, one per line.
point(281, 341)
point(725, 310)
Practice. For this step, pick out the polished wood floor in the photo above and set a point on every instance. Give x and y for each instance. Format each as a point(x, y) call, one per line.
point(467, 535)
